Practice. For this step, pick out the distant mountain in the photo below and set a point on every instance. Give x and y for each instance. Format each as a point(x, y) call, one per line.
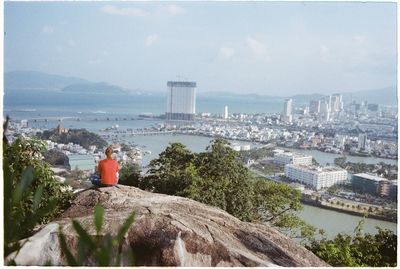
point(384, 96)
point(306, 98)
point(230, 95)
point(100, 87)
point(17, 80)
point(38, 81)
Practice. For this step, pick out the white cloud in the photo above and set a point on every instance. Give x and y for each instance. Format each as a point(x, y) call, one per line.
point(151, 39)
point(174, 10)
point(130, 11)
point(258, 48)
point(226, 52)
point(47, 29)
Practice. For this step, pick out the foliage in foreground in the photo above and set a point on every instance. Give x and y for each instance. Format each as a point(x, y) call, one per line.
point(379, 250)
point(31, 193)
point(27, 153)
point(218, 178)
point(100, 250)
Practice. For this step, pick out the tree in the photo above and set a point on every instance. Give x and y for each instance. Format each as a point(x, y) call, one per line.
point(31, 193)
point(129, 174)
point(223, 181)
point(172, 172)
point(358, 250)
point(77, 136)
point(278, 204)
point(340, 161)
point(218, 178)
point(24, 153)
point(56, 157)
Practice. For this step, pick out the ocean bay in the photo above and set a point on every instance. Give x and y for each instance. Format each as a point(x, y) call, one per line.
point(155, 144)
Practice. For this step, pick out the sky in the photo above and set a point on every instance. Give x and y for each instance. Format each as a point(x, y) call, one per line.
point(269, 48)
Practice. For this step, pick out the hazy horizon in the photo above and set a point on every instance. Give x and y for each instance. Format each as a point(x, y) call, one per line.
point(265, 48)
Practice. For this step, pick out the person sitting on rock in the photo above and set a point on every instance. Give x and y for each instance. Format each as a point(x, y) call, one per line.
point(107, 171)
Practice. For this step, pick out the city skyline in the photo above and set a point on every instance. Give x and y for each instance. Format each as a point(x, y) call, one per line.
point(238, 47)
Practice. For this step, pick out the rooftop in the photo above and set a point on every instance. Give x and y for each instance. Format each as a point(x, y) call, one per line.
point(181, 84)
point(291, 154)
point(318, 169)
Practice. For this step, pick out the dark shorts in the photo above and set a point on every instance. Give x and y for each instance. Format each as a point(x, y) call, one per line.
point(97, 181)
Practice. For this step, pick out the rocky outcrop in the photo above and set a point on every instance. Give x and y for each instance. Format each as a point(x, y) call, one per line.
point(175, 231)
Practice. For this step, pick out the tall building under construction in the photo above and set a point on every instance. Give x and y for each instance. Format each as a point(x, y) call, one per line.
point(181, 101)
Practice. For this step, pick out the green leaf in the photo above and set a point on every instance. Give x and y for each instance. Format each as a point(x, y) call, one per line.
point(125, 227)
point(64, 248)
point(27, 178)
point(37, 197)
point(83, 235)
point(98, 217)
point(82, 252)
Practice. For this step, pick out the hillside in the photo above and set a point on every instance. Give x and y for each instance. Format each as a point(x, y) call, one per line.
point(17, 80)
point(96, 88)
point(77, 136)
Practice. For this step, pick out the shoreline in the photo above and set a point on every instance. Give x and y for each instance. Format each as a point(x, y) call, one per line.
point(282, 146)
point(349, 212)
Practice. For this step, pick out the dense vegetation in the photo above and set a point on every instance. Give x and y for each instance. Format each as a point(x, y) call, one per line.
point(381, 169)
point(77, 136)
point(32, 195)
point(255, 154)
point(56, 158)
point(129, 174)
point(217, 177)
point(344, 250)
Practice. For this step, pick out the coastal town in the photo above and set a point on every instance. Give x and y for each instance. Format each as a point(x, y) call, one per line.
point(365, 130)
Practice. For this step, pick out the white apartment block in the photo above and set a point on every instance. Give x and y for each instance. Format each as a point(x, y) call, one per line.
point(314, 176)
point(181, 100)
point(283, 158)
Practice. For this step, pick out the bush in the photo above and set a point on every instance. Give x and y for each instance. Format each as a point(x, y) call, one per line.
point(217, 177)
point(31, 193)
point(377, 250)
point(57, 157)
point(129, 174)
point(21, 155)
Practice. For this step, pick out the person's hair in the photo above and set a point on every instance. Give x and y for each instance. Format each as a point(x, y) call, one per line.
point(107, 149)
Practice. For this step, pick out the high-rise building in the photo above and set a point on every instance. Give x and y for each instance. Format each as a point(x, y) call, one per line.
point(287, 111)
point(336, 103)
point(324, 111)
point(24, 123)
point(315, 107)
point(362, 142)
point(226, 112)
point(181, 100)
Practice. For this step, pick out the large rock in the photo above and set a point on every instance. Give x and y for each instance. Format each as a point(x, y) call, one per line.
point(175, 231)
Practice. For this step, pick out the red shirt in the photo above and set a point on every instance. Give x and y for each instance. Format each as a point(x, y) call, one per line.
point(108, 171)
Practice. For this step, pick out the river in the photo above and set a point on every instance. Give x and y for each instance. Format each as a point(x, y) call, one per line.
point(331, 221)
point(323, 157)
